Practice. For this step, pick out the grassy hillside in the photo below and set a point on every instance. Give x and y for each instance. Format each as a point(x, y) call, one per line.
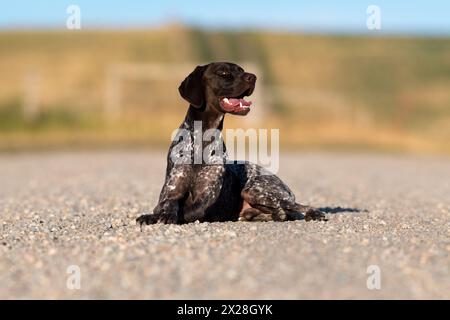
point(322, 91)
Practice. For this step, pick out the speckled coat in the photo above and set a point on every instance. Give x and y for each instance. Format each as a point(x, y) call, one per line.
point(217, 190)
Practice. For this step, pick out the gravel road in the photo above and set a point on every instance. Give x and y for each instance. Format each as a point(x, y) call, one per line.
point(64, 214)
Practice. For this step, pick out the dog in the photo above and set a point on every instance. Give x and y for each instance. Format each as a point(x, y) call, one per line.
point(217, 189)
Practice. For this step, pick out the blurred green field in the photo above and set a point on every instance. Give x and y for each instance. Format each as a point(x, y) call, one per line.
point(339, 92)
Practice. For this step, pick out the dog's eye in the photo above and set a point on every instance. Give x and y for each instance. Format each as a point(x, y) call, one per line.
point(223, 73)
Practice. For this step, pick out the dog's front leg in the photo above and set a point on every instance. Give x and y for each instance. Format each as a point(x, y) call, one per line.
point(206, 190)
point(174, 190)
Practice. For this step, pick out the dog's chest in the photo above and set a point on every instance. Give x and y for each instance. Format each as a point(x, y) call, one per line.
point(199, 148)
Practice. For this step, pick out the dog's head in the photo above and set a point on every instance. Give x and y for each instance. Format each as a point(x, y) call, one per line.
point(219, 85)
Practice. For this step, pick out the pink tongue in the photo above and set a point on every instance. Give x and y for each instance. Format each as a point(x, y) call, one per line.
point(236, 102)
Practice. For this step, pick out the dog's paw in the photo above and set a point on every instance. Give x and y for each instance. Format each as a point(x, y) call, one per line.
point(315, 214)
point(147, 219)
point(156, 218)
point(168, 219)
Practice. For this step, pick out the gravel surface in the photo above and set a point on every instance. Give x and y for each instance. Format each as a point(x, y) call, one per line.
point(59, 210)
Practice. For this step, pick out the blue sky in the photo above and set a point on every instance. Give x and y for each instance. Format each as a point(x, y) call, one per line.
point(324, 16)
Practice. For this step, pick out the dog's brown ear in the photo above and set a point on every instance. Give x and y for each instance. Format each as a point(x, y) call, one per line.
point(192, 89)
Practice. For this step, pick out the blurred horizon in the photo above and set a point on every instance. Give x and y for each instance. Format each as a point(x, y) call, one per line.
point(324, 78)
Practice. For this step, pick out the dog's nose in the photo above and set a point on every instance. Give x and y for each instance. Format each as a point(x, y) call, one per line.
point(249, 77)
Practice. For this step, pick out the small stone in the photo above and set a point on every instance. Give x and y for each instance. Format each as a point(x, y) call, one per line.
point(116, 223)
point(231, 234)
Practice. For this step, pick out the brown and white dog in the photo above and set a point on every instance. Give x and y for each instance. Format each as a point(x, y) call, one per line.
point(213, 189)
